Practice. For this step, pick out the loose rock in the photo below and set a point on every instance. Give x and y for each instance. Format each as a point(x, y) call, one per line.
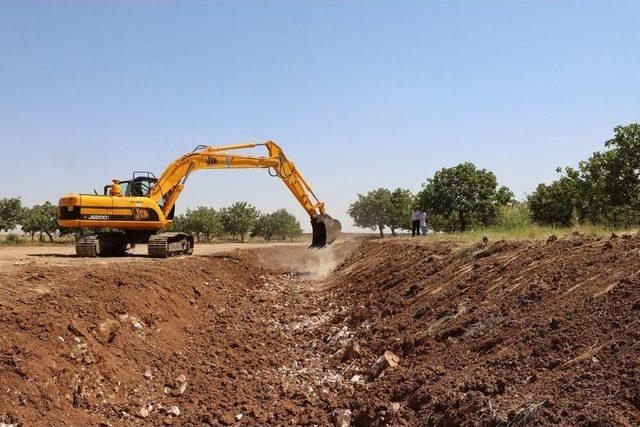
point(143, 412)
point(227, 419)
point(107, 330)
point(353, 351)
point(75, 329)
point(341, 417)
point(387, 360)
point(147, 374)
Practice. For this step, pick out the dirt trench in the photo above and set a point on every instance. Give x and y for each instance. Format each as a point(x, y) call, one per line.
point(504, 333)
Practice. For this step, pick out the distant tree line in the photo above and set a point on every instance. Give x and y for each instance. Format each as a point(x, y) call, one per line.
point(454, 199)
point(238, 221)
point(602, 190)
point(38, 219)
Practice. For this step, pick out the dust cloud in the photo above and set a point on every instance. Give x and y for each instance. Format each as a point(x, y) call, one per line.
point(316, 264)
point(321, 262)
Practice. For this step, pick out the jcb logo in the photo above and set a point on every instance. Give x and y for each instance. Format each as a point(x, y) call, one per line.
point(140, 214)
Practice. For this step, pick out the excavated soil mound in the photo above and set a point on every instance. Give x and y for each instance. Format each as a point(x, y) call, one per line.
point(188, 340)
point(402, 332)
point(496, 334)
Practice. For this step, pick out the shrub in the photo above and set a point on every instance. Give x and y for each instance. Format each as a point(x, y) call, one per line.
point(513, 217)
point(13, 239)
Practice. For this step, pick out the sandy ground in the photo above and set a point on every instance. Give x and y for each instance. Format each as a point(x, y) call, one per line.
point(15, 256)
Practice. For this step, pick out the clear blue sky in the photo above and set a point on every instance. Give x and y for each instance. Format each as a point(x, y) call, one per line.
point(360, 94)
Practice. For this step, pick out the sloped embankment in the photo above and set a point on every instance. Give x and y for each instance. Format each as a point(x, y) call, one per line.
point(190, 340)
point(501, 333)
point(496, 334)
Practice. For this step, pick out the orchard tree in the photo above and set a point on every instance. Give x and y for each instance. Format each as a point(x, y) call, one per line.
point(40, 219)
point(611, 180)
point(10, 213)
point(399, 210)
point(460, 196)
point(239, 219)
point(604, 189)
point(203, 222)
point(279, 224)
point(557, 203)
point(265, 227)
point(371, 210)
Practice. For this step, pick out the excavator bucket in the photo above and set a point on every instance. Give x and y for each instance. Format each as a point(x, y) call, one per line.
point(325, 230)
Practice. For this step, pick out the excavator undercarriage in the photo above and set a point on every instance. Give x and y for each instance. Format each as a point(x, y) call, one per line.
point(160, 245)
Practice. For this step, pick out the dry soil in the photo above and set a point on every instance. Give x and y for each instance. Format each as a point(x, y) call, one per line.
point(498, 333)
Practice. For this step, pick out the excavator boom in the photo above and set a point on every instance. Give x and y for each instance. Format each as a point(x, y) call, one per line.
point(147, 204)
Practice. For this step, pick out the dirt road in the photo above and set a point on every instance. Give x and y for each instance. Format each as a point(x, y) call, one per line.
point(65, 254)
point(369, 333)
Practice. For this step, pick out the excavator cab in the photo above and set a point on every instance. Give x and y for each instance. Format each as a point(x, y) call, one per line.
point(325, 230)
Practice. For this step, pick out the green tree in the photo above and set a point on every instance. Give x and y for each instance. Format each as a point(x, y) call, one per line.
point(604, 189)
point(40, 219)
point(611, 180)
point(203, 222)
point(557, 203)
point(10, 212)
point(399, 210)
point(239, 219)
point(279, 224)
point(371, 210)
point(458, 197)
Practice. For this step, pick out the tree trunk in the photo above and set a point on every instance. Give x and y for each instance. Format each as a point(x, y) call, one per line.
point(380, 227)
point(50, 236)
point(242, 238)
point(32, 236)
point(462, 221)
point(393, 231)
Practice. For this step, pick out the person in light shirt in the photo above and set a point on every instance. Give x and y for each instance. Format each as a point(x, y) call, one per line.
point(423, 223)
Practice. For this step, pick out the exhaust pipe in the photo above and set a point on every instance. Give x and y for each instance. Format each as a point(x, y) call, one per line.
point(325, 230)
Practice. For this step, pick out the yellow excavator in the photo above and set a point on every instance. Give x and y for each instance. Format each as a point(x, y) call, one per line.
point(137, 210)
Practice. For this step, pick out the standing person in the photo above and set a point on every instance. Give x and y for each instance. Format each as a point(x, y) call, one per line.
point(415, 222)
point(423, 222)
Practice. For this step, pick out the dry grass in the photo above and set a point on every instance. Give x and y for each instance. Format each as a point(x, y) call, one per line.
point(528, 232)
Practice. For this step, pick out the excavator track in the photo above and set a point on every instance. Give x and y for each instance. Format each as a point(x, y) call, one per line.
point(87, 246)
point(164, 245)
point(101, 245)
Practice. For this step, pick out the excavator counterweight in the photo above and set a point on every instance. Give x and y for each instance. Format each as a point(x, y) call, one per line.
point(137, 210)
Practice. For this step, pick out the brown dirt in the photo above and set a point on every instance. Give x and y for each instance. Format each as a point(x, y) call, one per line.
point(496, 334)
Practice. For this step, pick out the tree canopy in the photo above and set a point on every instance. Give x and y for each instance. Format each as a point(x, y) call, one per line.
point(382, 208)
point(40, 219)
point(461, 196)
point(604, 189)
point(279, 224)
point(239, 219)
point(10, 213)
point(202, 222)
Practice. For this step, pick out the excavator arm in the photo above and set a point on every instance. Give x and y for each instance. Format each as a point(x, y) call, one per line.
point(173, 179)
